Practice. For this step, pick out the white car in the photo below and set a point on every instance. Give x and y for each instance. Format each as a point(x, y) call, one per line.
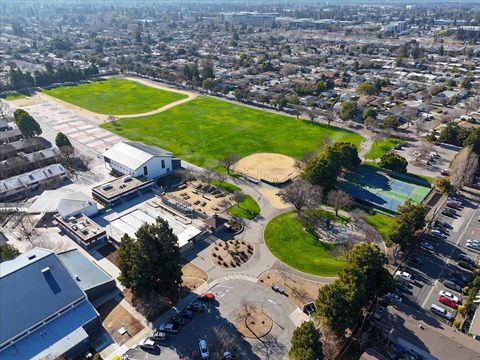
point(147, 344)
point(438, 233)
point(202, 347)
point(403, 275)
point(394, 298)
point(449, 295)
point(426, 245)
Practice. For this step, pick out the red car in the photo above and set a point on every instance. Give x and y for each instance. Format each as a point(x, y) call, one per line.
point(446, 301)
point(207, 296)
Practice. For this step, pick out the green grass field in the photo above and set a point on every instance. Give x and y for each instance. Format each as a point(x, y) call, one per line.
point(13, 96)
point(115, 96)
point(246, 208)
point(204, 130)
point(380, 147)
point(288, 241)
point(226, 186)
point(381, 222)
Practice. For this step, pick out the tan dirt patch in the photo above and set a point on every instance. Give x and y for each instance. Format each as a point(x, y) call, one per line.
point(271, 195)
point(190, 270)
point(298, 290)
point(114, 316)
point(252, 322)
point(271, 167)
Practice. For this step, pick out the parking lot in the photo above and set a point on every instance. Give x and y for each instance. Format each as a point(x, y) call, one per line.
point(431, 267)
point(216, 325)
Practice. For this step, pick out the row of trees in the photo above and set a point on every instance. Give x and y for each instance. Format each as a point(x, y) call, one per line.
point(323, 169)
point(20, 79)
point(456, 135)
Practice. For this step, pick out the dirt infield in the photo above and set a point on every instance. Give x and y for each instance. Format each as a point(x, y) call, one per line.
point(269, 167)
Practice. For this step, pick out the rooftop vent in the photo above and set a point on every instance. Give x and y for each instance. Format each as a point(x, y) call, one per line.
point(31, 257)
point(77, 277)
point(46, 270)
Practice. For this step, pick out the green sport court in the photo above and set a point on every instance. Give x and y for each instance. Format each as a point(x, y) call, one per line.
point(376, 188)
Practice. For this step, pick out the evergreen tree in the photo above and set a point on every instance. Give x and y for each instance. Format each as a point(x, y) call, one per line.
point(27, 124)
point(306, 344)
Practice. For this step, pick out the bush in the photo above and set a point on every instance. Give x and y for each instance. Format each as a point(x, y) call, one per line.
point(461, 309)
point(394, 162)
point(443, 185)
point(457, 323)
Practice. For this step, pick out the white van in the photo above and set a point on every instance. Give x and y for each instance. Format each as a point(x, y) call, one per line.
point(438, 310)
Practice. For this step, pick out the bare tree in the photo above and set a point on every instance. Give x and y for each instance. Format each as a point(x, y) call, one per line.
point(463, 168)
point(228, 161)
point(5, 111)
point(329, 116)
point(356, 215)
point(339, 199)
point(312, 115)
point(208, 175)
point(301, 194)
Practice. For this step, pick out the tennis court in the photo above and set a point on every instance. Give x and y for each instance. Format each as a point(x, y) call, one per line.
point(369, 185)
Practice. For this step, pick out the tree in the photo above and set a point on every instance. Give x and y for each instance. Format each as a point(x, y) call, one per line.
point(391, 122)
point(348, 110)
point(228, 161)
point(26, 123)
point(410, 218)
point(62, 140)
point(394, 162)
point(8, 252)
point(370, 122)
point(306, 344)
point(443, 185)
point(339, 199)
point(208, 175)
point(371, 261)
point(370, 112)
point(150, 265)
point(301, 194)
point(473, 140)
point(323, 169)
point(348, 154)
point(366, 88)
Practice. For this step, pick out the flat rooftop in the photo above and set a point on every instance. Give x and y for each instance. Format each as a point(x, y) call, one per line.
point(120, 186)
point(132, 221)
point(82, 227)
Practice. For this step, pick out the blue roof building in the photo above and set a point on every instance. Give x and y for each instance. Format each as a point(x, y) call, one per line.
point(44, 312)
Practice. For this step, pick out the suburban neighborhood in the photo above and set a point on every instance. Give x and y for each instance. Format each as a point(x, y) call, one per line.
point(223, 180)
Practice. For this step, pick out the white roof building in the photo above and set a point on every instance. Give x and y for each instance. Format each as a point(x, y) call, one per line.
point(138, 159)
point(65, 203)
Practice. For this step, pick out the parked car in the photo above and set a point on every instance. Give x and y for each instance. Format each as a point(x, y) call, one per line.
point(147, 344)
point(394, 298)
point(442, 230)
point(404, 288)
point(443, 224)
point(178, 321)
point(445, 172)
point(454, 205)
point(227, 355)
point(168, 328)
point(159, 336)
point(466, 265)
point(460, 277)
point(467, 259)
point(379, 312)
point(426, 245)
point(449, 212)
point(448, 295)
point(198, 307)
point(473, 245)
point(208, 296)
point(440, 311)
point(446, 301)
point(417, 259)
point(203, 349)
point(438, 233)
point(187, 314)
point(403, 275)
point(452, 285)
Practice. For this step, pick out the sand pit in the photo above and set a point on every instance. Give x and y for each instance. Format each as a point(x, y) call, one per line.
point(269, 167)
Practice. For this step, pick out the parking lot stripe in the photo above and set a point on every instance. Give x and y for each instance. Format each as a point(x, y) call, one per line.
point(449, 259)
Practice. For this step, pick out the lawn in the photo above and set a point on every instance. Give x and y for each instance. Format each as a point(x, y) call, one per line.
point(382, 146)
point(226, 186)
point(381, 222)
point(288, 241)
point(115, 96)
point(246, 208)
point(204, 130)
point(13, 96)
